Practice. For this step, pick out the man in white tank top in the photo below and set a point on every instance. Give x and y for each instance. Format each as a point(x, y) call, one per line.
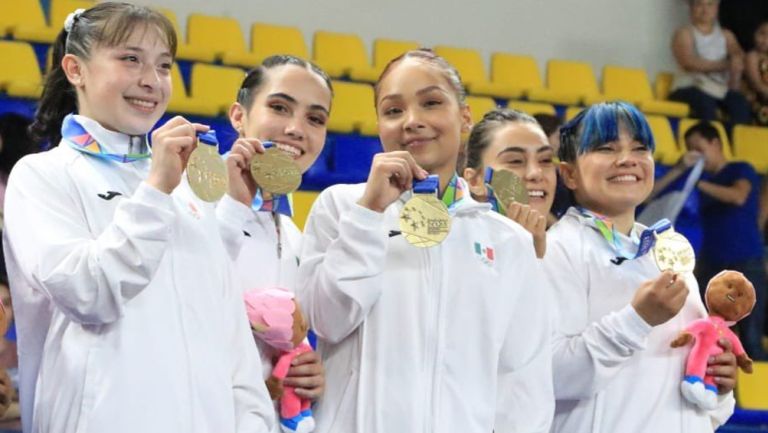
point(710, 63)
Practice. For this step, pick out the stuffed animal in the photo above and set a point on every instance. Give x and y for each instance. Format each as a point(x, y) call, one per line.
point(276, 319)
point(730, 297)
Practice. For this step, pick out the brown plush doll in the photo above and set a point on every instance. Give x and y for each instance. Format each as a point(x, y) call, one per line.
point(730, 297)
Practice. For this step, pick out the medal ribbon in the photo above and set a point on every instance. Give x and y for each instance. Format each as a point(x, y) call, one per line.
point(608, 231)
point(453, 194)
point(492, 198)
point(81, 140)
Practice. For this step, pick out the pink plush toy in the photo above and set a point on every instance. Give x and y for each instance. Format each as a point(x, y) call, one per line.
point(276, 318)
point(730, 297)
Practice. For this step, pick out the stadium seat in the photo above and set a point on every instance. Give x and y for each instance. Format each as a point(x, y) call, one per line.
point(353, 109)
point(479, 105)
point(302, 204)
point(750, 143)
point(532, 107)
point(184, 51)
point(269, 40)
point(22, 13)
point(20, 77)
point(35, 31)
point(384, 50)
point(568, 83)
point(662, 87)
point(571, 112)
point(519, 72)
point(215, 87)
point(632, 85)
point(339, 53)
point(686, 123)
point(750, 388)
point(470, 66)
point(221, 36)
point(667, 150)
point(180, 101)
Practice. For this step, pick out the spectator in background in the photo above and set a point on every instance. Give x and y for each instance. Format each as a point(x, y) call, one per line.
point(757, 75)
point(729, 217)
point(14, 143)
point(551, 126)
point(711, 64)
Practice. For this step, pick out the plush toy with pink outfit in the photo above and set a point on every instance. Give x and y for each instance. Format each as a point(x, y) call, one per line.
point(730, 297)
point(276, 319)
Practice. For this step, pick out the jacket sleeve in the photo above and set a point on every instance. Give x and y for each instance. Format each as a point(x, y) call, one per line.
point(232, 217)
point(525, 398)
point(254, 411)
point(88, 277)
point(342, 259)
point(586, 356)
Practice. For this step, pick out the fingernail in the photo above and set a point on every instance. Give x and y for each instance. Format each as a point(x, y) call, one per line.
point(710, 371)
point(711, 359)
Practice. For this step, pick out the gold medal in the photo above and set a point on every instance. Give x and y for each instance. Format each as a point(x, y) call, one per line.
point(509, 188)
point(206, 170)
point(425, 221)
point(672, 251)
point(276, 172)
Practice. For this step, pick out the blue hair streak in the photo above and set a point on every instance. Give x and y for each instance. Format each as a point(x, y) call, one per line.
point(600, 124)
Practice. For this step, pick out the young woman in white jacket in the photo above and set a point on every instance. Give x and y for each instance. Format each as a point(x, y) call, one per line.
point(128, 312)
point(617, 312)
point(286, 101)
point(415, 339)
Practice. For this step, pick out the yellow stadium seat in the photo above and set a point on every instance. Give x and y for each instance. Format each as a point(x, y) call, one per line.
point(520, 73)
point(632, 85)
point(181, 102)
point(21, 13)
point(470, 66)
point(667, 151)
point(750, 388)
point(21, 75)
point(215, 86)
point(532, 107)
point(302, 204)
point(662, 87)
point(46, 33)
point(384, 50)
point(750, 143)
point(221, 36)
point(479, 105)
point(568, 83)
point(571, 112)
point(185, 51)
point(339, 53)
point(353, 109)
point(685, 124)
point(269, 40)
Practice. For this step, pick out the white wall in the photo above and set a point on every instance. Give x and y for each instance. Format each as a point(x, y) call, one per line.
point(627, 32)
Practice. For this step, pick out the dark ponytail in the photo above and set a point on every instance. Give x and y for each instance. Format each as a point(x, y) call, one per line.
point(58, 99)
point(107, 24)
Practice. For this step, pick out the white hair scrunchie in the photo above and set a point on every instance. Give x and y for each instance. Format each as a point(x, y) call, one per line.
point(70, 21)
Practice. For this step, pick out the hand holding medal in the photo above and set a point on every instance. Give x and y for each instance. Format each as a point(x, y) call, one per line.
point(392, 173)
point(206, 171)
point(172, 145)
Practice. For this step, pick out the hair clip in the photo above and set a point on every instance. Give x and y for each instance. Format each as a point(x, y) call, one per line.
point(71, 18)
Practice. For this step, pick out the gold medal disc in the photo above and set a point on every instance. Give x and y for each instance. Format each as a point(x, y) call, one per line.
point(672, 251)
point(509, 188)
point(207, 173)
point(425, 221)
point(276, 172)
